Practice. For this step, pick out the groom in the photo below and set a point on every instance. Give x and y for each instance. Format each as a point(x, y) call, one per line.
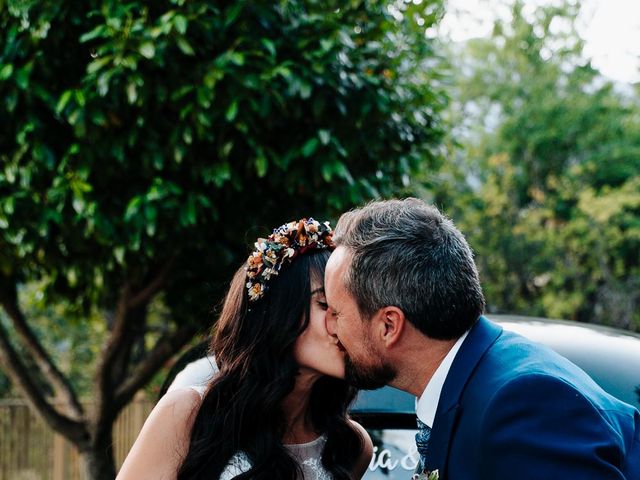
point(405, 304)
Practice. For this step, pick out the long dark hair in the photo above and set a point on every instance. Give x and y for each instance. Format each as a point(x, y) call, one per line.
point(241, 411)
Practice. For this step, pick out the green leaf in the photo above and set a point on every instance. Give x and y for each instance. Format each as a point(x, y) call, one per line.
point(232, 13)
point(232, 111)
point(326, 44)
point(370, 190)
point(8, 206)
point(6, 71)
point(326, 171)
point(184, 46)
point(269, 46)
point(150, 213)
point(261, 165)
point(22, 78)
point(305, 90)
point(342, 171)
point(187, 136)
point(103, 82)
point(188, 214)
point(178, 154)
point(226, 148)
point(132, 93)
point(78, 204)
point(147, 50)
point(237, 58)
point(221, 173)
point(95, 33)
point(310, 147)
point(11, 101)
point(97, 64)
point(180, 23)
point(64, 100)
point(80, 98)
point(283, 71)
point(72, 277)
point(325, 136)
point(132, 208)
point(118, 252)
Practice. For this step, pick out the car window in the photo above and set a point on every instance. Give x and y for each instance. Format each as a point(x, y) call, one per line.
point(384, 400)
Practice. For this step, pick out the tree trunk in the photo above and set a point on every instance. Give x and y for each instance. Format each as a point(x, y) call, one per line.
point(98, 463)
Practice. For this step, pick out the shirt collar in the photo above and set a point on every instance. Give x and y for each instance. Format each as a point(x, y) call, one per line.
point(427, 403)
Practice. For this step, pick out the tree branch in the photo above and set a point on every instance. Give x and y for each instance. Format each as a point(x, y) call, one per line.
point(62, 387)
point(135, 332)
point(117, 344)
point(145, 295)
point(166, 347)
point(105, 381)
point(112, 366)
point(21, 377)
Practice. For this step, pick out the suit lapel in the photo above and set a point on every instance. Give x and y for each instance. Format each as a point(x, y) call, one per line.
point(480, 338)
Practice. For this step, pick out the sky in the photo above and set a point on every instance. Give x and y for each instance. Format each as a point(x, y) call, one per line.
point(610, 28)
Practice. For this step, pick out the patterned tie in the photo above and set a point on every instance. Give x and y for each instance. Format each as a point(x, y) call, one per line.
point(422, 441)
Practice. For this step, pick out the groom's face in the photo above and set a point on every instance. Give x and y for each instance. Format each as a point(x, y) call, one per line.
point(365, 363)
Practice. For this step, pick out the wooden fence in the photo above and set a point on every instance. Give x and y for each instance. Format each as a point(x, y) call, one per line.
point(30, 450)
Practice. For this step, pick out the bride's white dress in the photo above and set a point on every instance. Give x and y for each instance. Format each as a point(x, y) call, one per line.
point(308, 455)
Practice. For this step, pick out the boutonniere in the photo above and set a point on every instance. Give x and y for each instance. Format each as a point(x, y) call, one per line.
point(426, 475)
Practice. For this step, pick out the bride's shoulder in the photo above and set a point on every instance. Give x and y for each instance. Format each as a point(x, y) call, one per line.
point(179, 405)
point(367, 450)
point(164, 439)
point(360, 430)
point(173, 414)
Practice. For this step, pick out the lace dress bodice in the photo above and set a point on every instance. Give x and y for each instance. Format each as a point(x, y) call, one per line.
point(308, 455)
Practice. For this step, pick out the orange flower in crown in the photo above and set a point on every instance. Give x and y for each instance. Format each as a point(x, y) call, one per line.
point(280, 248)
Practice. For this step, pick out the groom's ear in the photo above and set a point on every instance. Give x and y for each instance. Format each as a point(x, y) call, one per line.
point(391, 323)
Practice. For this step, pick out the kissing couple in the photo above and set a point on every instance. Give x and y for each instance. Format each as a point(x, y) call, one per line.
point(391, 297)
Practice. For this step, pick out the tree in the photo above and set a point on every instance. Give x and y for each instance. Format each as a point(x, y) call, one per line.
point(552, 203)
point(74, 341)
point(140, 142)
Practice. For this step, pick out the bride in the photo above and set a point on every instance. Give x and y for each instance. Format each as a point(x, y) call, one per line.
point(277, 409)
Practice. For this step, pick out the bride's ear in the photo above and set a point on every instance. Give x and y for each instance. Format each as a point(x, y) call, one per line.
point(390, 322)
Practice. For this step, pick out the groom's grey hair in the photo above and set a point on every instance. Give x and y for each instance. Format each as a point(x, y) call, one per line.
point(407, 254)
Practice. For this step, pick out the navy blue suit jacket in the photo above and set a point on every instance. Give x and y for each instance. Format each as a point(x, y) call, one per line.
point(514, 409)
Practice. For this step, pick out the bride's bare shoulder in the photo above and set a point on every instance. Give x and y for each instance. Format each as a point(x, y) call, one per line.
point(362, 463)
point(178, 405)
point(163, 441)
point(174, 414)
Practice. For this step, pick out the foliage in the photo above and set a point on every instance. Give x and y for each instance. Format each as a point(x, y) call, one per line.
point(130, 130)
point(142, 142)
point(551, 201)
point(76, 340)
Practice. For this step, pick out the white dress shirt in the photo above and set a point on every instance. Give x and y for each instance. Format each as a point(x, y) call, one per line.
point(427, 403)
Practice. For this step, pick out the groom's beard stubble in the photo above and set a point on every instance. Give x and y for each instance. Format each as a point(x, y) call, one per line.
point(367, 377)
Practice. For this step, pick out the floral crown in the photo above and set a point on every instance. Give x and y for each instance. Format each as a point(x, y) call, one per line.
point(280, 248)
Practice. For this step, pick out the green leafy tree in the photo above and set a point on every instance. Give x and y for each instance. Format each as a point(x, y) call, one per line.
point(550, 198)
point(73, 340)
point(139, 142)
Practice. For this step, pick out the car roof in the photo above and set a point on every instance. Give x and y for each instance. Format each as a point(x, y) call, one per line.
point(610, 356)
